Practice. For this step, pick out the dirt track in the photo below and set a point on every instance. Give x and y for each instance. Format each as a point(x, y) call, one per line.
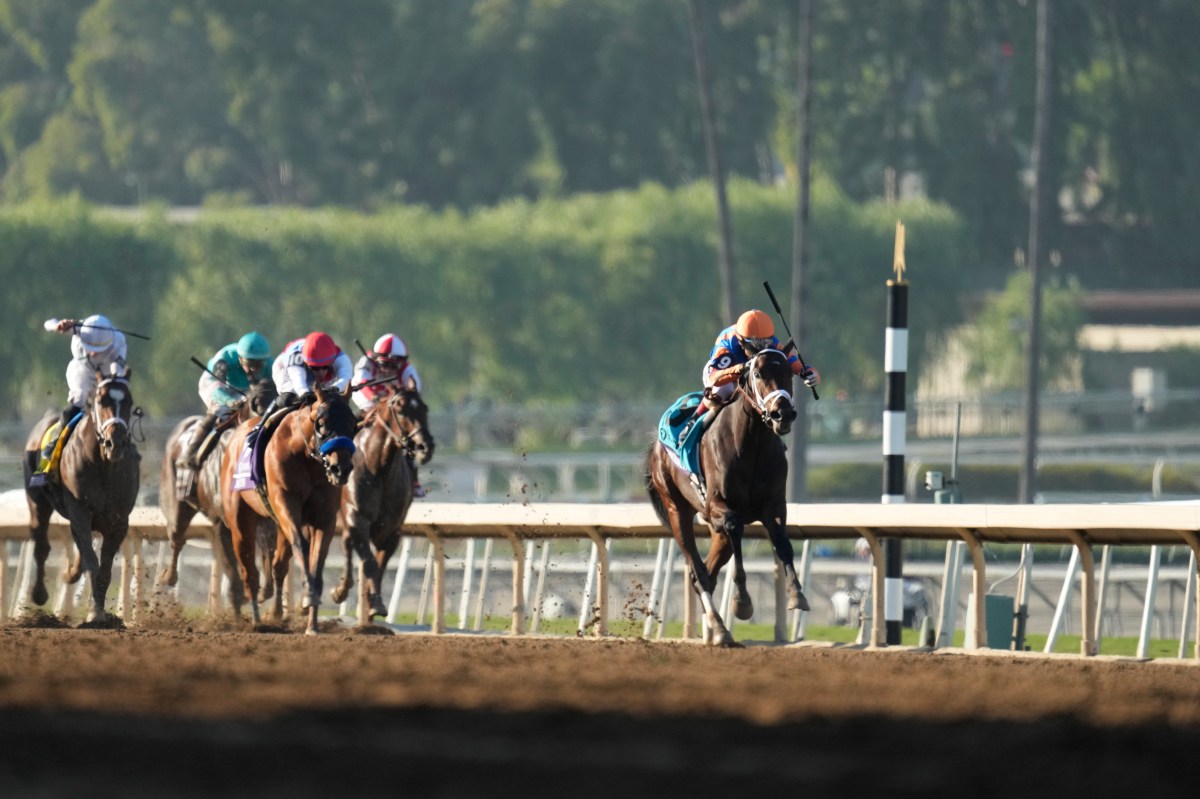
point(197, 713)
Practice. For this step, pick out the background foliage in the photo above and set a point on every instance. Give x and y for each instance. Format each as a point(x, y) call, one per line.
point(595, 297)
point(469, 103)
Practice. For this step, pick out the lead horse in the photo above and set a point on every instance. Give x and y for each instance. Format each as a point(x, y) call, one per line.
point(376, 499)
point(99, 474)
point(744, 469)
point(204, 495)
point(305, 464)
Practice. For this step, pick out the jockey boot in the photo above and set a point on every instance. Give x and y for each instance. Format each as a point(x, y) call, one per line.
point(68, 414)
point(418, 489)
point(199, 434)
point(701, 409)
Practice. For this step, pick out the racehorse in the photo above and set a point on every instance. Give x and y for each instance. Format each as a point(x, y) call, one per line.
point(744, 469)
point(376, 499)
point(205, 494)
point(305, 464)
point(99, 474)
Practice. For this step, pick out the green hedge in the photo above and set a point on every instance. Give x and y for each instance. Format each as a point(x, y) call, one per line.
point(595, 297)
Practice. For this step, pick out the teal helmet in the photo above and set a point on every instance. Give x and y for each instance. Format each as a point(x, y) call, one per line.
point(253, 347)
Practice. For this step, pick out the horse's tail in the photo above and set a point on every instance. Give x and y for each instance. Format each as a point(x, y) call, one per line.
point(656, 500)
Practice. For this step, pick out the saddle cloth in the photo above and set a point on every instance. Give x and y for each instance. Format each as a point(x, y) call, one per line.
point(249, 471)
point(686, 452)
point(50, 465)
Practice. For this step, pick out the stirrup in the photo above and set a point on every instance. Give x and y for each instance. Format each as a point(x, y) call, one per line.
point(419, 490)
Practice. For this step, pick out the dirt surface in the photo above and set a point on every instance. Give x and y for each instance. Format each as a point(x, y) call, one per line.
point(191, 712)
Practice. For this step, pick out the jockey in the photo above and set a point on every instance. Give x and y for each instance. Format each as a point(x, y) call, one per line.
point(382, 372)
point(307, 363)
point(96, 348)
point(231, 371)
point(735, 346)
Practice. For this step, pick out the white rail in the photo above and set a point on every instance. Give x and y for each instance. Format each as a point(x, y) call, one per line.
point(1082, 526)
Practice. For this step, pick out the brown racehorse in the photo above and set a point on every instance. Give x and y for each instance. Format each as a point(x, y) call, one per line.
point(305, 465)
point(205, 494)
point(99, 476)
point(377, 497)
point(745, 475)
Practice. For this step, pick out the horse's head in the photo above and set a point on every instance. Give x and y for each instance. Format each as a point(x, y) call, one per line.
point(260, 396)
point(334, 425)
point(407, 418)
point(767, 384)
point(112, 411)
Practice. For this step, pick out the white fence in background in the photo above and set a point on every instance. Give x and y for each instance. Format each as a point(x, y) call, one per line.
point(1082, 526)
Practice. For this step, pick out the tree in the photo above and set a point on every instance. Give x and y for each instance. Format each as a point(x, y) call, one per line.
point(995, 341)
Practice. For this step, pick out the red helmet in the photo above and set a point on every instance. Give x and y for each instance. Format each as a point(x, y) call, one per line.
point(319, 350)
point(390, 348)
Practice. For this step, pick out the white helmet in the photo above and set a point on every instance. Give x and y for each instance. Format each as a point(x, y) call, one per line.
point(96, 333)
point(390, 347)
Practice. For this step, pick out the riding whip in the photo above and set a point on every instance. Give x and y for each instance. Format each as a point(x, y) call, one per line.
point(791, 338)
point(222, 382)
point(52, 326)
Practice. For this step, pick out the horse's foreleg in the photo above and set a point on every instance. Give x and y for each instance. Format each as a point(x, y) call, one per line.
point(732, 531)
point(180, 520)
point(85, 552)
point(39, 525)
point(281, 562)
point(783, 550)
point(342, 589)
point(102, 577)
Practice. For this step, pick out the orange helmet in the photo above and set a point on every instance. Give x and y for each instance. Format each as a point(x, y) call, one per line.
point(755, 329)
point(319, 349)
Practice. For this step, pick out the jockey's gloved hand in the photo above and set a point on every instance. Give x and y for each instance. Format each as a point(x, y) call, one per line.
point(810, 377)
point(285, 400)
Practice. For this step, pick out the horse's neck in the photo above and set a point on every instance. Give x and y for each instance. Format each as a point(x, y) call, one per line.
point(381, 447)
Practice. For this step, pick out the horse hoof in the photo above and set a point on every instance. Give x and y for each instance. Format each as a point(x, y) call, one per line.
point(725, 640)
point(798, 601)
point(339, 593)
point(40, 595)
point(743, 610)
point(377, 607)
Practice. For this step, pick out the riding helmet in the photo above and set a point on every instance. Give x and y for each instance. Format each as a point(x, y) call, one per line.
point(253, 347)
point(390, 347)
point(96, 333)
point(319, 349)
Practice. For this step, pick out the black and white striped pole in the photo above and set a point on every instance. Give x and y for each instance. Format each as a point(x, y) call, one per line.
point(894, 424)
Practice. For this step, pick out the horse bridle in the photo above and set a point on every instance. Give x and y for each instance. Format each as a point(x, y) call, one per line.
point(403, 440)
point(760, 402)
point(103, 424)
point(326, 443)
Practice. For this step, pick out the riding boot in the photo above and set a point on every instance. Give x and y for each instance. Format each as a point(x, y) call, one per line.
point(418, 489)
point(701, 409)
point(199, 434)
point(69, 413)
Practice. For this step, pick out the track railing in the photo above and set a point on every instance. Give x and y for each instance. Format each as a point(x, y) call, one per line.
point(1082, 526)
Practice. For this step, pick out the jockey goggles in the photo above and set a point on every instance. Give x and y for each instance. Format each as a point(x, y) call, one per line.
point(756, 344)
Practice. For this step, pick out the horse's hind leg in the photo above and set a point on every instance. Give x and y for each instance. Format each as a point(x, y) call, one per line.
point(715, 631)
